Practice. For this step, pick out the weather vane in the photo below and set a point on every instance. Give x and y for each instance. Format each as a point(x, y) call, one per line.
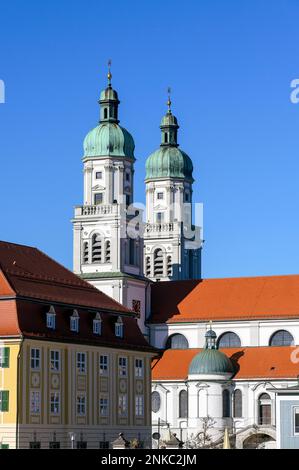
point(109, 75)
point(169, 100)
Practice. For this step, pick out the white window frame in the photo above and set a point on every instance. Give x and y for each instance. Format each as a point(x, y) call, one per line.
point(97, 325)
point(122, 404)
point(96, 173)
point(81, 404)
point(295, 412)
point(104, 364)
point(35, 358)
point(119, 328)
point(122, 366)
point(139, 405)
point(34, 402)
point(81, 362)
point(54, 403)
point(55, 360)
point(159, 194)
point(104, 406)
point(139, 368)
point(51, 320)
point(74, 322)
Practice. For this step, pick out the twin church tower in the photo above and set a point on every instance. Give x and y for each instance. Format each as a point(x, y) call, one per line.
point(117, 247)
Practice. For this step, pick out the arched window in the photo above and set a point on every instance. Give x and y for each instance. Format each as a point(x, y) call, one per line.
point(177, 341)
point(156, 402)
point(147, 266)
point(281, 338)
point(85, 252)
point(105, 113)
point(96, 251)
point(238, 404)
point(158, 262)
point(183, 404)
point(226, 403)
point(264, 409)
point(169, 266)
point(107, 252)
point(229, 340)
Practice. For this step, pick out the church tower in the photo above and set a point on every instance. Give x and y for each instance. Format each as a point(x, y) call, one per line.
point(172, 243)
point(108, 251)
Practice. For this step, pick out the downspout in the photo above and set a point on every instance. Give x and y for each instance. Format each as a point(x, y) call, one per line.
point(18, 391)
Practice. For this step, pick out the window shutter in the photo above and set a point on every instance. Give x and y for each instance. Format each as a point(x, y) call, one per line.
point(6, 358)
point(4, 400)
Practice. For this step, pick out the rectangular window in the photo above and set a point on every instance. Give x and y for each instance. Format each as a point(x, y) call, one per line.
point(122, 405)
point(139, 405)
point(119, 330)
point(99, 175)
point(35, 358)
point(138, 367)
point(82, 445)
point(97, 327)
point(55, 403)
point(160, 195)
point(74, 324)
point(51, 321)
point(4, 400)
point(103, 365)
point(128, 199)
point(98, 198)
point(81, 405)
point(35, 402)
point(104, 407)
point(54, 445)
point(34, 445)
point(127, 176)
point(81, 362)
point(104, 444)
point(160, 217)
point(4, 357)
point(122, 366)
point(296, 420)
point(55, 360)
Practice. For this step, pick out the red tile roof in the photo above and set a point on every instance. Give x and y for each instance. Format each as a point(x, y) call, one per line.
point(30, 282)
point(245, 298)
point(28, 272)
point(250, 362)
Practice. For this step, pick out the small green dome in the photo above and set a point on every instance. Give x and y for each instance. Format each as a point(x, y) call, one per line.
point(169, 162)
point(109, 94)
point(109, 139)
point(211, 361)
point(169, 120)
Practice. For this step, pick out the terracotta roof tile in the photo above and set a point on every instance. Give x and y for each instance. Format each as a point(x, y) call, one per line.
point(250, 362)
point(225, 299)
point(31, 273)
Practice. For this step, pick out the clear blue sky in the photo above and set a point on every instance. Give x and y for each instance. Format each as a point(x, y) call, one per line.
point(230, 65)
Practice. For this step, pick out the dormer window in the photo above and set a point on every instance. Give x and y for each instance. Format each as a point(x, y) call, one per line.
point(74, 322)
point(97, 324)
point(51, 318)
point(119, 328)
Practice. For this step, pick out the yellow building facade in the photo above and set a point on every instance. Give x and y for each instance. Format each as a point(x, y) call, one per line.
point(75, 368)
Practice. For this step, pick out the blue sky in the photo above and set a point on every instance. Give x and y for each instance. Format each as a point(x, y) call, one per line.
point(229, 64)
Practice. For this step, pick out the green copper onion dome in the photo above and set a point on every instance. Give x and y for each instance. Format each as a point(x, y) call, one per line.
point(109, 138)
point(169, 161)
point(211, 361)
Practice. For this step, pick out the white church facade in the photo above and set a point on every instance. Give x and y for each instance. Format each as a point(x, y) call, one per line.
point(207, 378)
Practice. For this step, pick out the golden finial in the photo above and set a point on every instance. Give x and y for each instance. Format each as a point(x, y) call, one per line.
point(109, 75)
point(169, 100)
